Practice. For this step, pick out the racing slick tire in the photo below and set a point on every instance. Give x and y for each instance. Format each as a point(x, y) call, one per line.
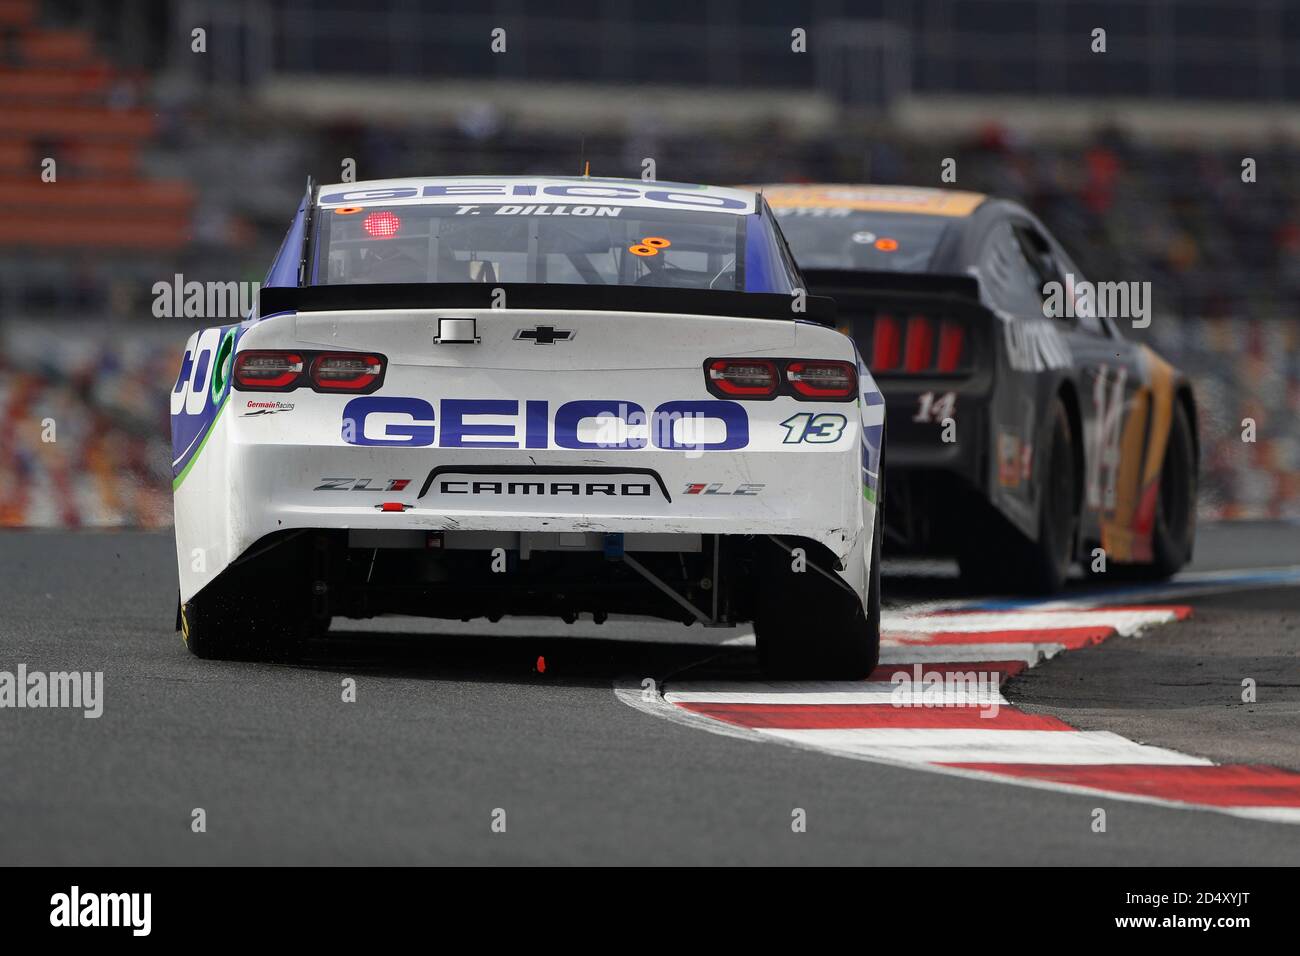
point(220, 624)
point(998, 558)
point(1175, 527)
point(811, 628)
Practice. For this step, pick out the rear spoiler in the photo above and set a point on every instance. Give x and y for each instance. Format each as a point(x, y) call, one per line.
point(521, 295)
point(848, 282)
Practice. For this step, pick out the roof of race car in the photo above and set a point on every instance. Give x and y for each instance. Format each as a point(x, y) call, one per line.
point(549, 189)
point(901, 199)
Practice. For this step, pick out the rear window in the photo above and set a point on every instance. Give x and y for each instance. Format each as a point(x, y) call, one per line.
point(597, 244)
point(828, 238)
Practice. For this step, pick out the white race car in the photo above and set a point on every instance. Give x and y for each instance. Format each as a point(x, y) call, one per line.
point(479, 396)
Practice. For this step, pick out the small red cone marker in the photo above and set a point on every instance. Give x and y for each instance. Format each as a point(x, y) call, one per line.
point(541, 665)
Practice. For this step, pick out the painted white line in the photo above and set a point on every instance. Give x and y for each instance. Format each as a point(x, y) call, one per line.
point(1271, 814)
point(937, 745)
point(817, 692)
point(630, 692)
point(1030, 653)
point(1124, 622)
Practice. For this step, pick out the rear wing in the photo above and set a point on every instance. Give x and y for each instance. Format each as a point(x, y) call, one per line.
point(561, 297)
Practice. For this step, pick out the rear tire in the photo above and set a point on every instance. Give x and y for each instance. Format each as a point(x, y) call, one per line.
point(1175, 528)
point(220, 624)
point(997, 557)
point(811, 628)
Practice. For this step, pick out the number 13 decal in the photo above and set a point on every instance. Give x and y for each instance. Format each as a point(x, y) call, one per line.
point(821, 429)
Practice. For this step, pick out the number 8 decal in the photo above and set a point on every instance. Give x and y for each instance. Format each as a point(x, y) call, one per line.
point(649, 246)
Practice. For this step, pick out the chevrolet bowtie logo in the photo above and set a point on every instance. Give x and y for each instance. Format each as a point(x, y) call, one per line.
point(544, 335)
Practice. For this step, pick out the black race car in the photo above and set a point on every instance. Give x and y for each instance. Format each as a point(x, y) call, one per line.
point(1025, 433)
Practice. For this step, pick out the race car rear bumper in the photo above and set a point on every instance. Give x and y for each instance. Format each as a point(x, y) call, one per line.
point(243, 490)
point(936, 472)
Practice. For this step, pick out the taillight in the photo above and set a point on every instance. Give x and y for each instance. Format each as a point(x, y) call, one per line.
point(817, 379)
point(886, 343)
point(920, 345)
point(751, 378)
point(275, 371)
point(919, 350)
point(345, 371)
point(952, 340)
point(803, 379)
point(382, 225)
point(268, 371)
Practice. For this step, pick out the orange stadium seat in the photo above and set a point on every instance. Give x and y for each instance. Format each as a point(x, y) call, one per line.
point(122, 198)
point(79, 121)
point(16, 154)
point(17, 13)
point(40, 229)
point(55, 46)
point(47, 83)
point(120, 159)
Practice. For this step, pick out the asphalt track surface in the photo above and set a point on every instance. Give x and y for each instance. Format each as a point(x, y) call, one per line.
point(448, 728)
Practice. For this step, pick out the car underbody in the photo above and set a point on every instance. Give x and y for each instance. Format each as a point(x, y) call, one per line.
point(712, 580)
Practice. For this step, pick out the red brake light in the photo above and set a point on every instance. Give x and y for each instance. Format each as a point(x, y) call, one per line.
point(751, 377)
point(813, 379)
point(382, 225)
point(267, 370)
point(920, 344)
point(886, 343)
point(952, 339)
point(345, 371)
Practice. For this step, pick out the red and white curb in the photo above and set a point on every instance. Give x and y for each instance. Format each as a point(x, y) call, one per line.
point(890, 719)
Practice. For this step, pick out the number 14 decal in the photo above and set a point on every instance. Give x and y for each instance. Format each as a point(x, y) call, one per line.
point(822, 428)
point(932, 408)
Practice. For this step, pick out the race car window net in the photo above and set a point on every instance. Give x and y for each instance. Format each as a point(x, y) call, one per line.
point(542, 244)
point(829, 238)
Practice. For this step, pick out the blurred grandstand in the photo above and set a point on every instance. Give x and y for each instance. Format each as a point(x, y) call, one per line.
point(174, 161)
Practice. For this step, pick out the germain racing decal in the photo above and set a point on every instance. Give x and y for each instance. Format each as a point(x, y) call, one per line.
point(253, 408)
point(200, 392)
point(401, 422)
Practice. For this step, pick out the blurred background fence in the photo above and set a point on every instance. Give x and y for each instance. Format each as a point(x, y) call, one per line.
point(172, 160)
